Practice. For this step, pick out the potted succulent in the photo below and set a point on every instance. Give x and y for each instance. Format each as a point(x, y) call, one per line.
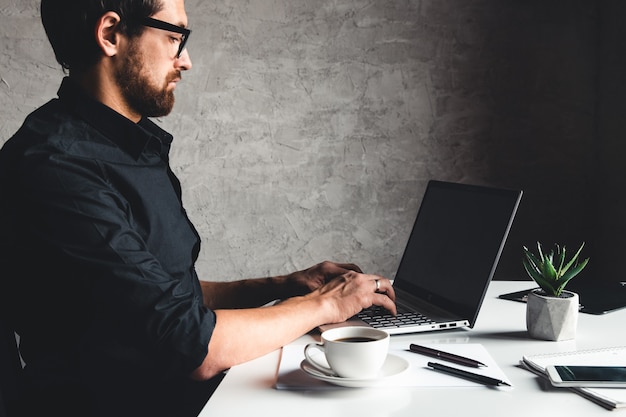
point(551, 311)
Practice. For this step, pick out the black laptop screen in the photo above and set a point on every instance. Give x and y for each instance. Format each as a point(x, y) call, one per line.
point(455, 245)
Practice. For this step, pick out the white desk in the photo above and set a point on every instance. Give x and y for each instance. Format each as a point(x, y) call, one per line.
point(248, 389)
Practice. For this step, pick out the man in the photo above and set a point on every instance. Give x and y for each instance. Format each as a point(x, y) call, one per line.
point(96, 252)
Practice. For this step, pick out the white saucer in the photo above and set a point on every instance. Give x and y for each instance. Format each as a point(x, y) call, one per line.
point(394, 365)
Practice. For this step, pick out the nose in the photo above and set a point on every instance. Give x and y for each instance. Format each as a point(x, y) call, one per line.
point(184, 61)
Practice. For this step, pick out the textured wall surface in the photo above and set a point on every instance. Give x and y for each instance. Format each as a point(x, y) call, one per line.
point(307, 129)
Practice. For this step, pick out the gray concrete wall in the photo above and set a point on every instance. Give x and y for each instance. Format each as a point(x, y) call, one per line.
point(307, 129)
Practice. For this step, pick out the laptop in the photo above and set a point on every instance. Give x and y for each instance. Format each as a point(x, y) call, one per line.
point(449, 260)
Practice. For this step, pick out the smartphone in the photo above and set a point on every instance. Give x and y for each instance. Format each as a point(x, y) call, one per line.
point(587, 376)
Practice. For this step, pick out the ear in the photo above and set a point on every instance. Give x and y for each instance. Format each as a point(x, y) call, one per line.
point(107, 36)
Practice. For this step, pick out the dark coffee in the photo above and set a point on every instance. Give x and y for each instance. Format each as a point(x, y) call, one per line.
point(357, 339)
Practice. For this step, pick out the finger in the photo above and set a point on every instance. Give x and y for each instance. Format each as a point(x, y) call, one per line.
point(331, 269)
point(384, 286)
point(348, 267)
point(385, 302)
point(388, 289)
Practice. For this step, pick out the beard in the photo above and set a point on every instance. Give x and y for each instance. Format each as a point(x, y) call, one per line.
point(143, 96)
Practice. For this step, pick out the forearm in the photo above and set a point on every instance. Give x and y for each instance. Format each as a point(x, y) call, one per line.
point(245, 334)
point(245, 293)
point(260, 291)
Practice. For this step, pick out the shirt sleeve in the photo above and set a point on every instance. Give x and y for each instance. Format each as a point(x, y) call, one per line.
point(105, 242)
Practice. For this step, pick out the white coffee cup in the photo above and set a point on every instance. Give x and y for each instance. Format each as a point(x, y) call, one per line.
point(352, 352)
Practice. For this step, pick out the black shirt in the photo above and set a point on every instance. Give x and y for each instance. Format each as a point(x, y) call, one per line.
point(97, 258)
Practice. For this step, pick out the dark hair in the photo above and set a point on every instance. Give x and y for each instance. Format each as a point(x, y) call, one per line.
point(70, 26)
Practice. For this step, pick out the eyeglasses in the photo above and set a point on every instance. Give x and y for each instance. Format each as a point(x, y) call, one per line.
point(159, 24)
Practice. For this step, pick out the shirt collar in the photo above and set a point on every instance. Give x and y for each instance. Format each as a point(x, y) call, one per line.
point(131, 137)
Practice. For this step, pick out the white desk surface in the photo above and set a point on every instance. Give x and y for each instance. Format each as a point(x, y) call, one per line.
point(248, 389)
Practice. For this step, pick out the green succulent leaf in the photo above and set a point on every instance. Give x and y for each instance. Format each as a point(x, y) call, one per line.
point(574, 271)
point(561, 257)
point(550, 270)
point(534, 261)
point(532, 270)
point(549, 273)
point(574, 259)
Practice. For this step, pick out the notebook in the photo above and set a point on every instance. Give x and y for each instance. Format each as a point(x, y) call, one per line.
point(449, 260)
point(607, 397)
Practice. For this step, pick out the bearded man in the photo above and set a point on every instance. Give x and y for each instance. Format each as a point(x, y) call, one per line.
point(97, 254)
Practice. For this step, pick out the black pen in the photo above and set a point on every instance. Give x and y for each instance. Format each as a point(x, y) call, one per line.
point(451, 357)
point(481, 379)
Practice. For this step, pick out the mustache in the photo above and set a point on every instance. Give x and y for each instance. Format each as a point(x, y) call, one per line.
point(175, 76)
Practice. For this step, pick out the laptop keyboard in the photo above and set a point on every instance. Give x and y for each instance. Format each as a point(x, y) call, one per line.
point(378, 317)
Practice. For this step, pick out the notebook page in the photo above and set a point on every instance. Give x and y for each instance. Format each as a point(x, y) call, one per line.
point(607, 397)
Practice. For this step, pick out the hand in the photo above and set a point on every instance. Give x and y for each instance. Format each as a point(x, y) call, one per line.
point(315, 277)
point(354, 291)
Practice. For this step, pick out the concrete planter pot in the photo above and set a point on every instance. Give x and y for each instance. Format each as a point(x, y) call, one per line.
point(552, 318)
